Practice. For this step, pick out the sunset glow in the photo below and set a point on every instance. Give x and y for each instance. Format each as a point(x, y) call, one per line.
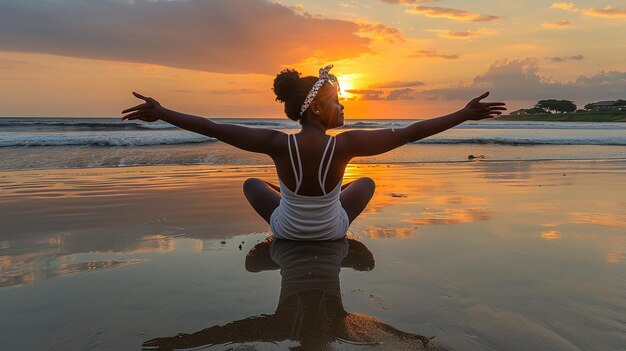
point(395, 59)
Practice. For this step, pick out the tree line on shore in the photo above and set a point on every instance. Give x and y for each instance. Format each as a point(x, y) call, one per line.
point(552, 106)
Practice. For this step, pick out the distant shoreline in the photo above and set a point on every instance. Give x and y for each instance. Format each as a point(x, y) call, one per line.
point(608, 116)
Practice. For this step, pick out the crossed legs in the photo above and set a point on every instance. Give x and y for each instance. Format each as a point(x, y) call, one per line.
point(265, 197)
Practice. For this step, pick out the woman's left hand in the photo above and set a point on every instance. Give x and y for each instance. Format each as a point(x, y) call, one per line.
point(476, 110)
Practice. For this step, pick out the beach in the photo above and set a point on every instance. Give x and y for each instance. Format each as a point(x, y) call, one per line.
point(481, 255)
point(490, 214)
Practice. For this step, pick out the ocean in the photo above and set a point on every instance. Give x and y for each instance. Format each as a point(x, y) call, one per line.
point(50, 143)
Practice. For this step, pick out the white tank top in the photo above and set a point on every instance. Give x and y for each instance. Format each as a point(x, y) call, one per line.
point(300, 217)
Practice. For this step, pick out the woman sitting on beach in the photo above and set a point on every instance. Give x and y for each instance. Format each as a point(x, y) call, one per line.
point(310, 203)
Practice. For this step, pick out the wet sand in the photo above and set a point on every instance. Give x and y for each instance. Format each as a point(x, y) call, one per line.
point(482, 255)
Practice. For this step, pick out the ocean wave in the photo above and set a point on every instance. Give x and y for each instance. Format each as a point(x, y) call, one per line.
point(262, 124)
point(115, 124)
point(357, 125)
point(180, 137)
point(525, 141)
point(89, 139)
point(81, 126)
point(544, 125)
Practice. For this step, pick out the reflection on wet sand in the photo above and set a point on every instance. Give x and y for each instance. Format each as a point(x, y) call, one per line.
point(603, 219)
point(432, 216)
point(375, 232)
point(310, 313)
point(64, 254)
point(13, 276)
point(420, 197)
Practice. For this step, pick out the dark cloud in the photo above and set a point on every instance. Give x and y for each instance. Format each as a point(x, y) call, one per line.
point(565, 58)
point(520, 80)
point(435, 54)
point(364, 91)
point(614, 81)
point(367, 94)
point(407, 2)
point(228, 36)
point(379, 94)
point(401, 94)
point(397, 84)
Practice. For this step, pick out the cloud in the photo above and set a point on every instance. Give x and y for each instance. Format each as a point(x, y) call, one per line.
point(378, 31)
point(565, 58)
point(407, 2)
point(519, 79)
point(397, 84)
point(227, 36)
point(432, 53)
point(367, 94)
point(567, 6)
point(465, 34)
point(379, 94)
point(401, 94)
point(556, 25)
point(607, 12)
point(453, 14)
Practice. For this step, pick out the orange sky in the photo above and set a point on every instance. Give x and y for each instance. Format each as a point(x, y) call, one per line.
point(400, 58)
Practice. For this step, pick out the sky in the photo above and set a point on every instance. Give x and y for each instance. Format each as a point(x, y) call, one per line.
point(218, 58)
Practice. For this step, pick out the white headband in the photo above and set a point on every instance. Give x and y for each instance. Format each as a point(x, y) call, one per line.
point(324, 77)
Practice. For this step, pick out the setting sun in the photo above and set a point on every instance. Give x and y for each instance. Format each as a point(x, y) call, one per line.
point(347, 83)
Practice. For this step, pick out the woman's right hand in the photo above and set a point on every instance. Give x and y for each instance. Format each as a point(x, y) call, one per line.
point(149, 111)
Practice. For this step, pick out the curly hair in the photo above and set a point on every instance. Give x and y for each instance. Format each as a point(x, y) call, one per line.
point(292, 90)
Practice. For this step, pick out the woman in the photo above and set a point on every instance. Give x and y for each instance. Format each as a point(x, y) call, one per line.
point(310, 203)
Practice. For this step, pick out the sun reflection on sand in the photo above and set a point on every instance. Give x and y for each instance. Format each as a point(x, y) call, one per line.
point(381, 232)
point(550, 235)
point(451, 216)
point(614, 257)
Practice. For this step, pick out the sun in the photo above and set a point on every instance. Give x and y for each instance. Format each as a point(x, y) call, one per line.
point(345, 84)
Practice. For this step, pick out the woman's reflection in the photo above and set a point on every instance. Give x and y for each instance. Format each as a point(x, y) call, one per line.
point(310, 310)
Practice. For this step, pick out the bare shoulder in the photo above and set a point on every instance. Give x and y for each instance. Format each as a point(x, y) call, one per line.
point(278, 142)
point(355, 143)
point(343, 147)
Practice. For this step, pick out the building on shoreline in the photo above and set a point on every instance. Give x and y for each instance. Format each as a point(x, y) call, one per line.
point(619, 105)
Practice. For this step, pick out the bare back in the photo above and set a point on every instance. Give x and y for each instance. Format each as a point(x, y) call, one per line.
point(311, 149)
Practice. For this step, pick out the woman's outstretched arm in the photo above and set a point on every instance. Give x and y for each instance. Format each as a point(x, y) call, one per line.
point(374, 142)
point(250, 139)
